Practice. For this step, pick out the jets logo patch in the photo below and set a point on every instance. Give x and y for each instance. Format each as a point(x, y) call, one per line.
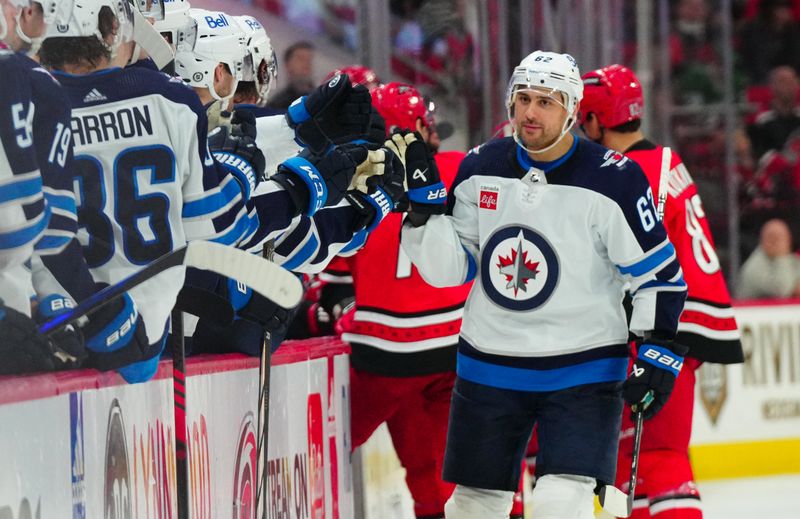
point(519, 268)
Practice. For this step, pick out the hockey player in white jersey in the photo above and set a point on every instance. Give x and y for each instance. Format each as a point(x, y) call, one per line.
point(60, 273)
point(209, 56)
point(551, 227)
point(144, 184)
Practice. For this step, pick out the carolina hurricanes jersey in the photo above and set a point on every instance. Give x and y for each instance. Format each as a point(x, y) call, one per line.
point(707, 325)
point(397, 312)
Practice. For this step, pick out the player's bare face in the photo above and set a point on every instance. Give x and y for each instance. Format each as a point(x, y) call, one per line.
point(539, 116)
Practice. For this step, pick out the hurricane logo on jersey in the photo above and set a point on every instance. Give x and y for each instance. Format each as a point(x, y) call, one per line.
point(519, 268)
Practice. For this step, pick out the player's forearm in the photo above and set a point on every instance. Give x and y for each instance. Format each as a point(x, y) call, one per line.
point(438, 253)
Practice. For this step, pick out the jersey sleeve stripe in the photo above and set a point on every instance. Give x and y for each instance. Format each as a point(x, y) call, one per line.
point(64, 204)
point(654, 259)
point(52, 244)
point(358, 241)
point(21, 188)
point(715, 311)
point(28, 233)
point(299, 256)
point(678, 285)
point(215, 202)
point(720, 335)
point(234, 233)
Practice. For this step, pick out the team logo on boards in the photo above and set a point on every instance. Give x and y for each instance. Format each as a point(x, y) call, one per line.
point(519, 268)
point(245, 480)
point(117, 493)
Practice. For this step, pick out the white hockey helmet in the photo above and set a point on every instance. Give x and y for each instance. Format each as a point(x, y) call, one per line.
point(550, 71)
point(176, 15)
point(209, 38)
point(81, 18)
point(54, 11)
point(260, 64)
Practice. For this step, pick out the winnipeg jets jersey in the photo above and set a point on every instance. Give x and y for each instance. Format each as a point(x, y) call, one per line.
point(145, 182)
point(24, 215)
point(551, 247)
point(59, 266)
point(707, 326)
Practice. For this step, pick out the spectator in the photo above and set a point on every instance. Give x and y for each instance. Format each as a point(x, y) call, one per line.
point(694, 57)
point(297, 61)
point(772, 270)
point(772, 128)
point(770, 40)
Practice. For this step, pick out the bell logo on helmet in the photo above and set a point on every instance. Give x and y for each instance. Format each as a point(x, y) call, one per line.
point(219, 21)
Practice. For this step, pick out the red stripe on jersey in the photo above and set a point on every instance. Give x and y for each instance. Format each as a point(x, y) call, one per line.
point(709, 321)
point(400, 335)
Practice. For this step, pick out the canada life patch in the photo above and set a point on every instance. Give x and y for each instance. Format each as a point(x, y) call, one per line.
point(519, 268)
point(488, 198)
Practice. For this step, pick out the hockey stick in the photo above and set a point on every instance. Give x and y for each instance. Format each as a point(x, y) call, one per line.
point(265, 277)
point(614, 500)
point(262, 447)
point(663, 181)
point(179, 405)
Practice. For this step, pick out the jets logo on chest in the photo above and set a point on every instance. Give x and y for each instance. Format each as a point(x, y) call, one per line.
point(519, 268)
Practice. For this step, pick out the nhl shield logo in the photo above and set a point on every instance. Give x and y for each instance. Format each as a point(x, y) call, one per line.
point(519, 268)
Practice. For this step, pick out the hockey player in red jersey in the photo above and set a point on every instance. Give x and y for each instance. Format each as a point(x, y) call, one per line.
point(611, 115)
point(403, 332)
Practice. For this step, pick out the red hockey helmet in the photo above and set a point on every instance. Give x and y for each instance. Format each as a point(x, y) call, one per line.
point(613, 94)
point(359, 75)
point(401, 105)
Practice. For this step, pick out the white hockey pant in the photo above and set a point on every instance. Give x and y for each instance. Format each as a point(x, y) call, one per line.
point(478, 503)
point(563, 496)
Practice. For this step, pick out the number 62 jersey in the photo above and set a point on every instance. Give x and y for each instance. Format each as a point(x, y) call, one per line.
point(552, 247)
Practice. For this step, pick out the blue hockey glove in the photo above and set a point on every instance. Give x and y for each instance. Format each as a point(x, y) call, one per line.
point(22, 348)
point(335, 112)
point(70, 352)
point(115, 335)
point(426, 191)
point(238, 154)
point(652, 377)
point(379, 193)
point(315, 181)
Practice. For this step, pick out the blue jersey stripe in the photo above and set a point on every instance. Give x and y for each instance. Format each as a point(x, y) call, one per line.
point(640, 268)
point(679, 283)
point(212, 203)
point(20, 189)
point(358, 241)
point(301, 256)
point(25, 235)
point(521, 379)
point(232, 236)
point(63, 202)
